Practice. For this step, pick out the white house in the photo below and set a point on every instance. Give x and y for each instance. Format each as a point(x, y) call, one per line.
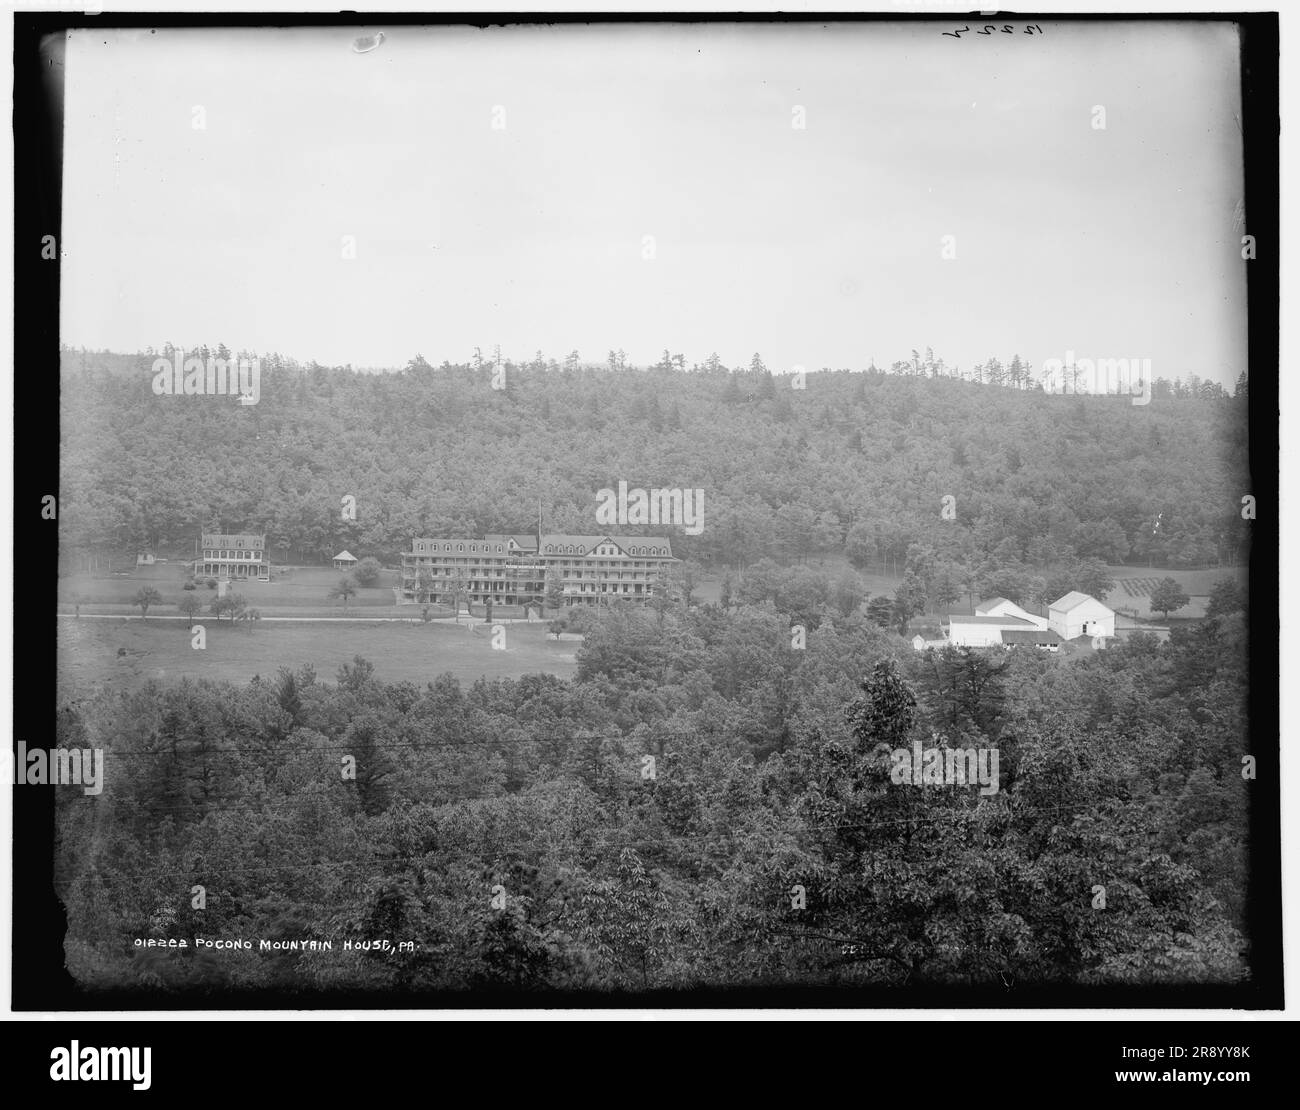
point(1078, 614)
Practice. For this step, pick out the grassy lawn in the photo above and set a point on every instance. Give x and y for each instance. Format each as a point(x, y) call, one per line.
point(88, 651)
point(309, 587)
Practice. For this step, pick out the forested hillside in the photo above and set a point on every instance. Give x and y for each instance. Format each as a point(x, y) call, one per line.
point(710, 801)
point(854, 462)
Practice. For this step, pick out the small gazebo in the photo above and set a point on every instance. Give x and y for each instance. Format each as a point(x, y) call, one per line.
point(344, 560)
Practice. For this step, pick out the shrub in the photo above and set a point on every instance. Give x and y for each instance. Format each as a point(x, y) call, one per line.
point(367, 571)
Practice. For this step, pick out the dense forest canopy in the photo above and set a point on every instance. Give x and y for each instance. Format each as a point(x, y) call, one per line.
point(854, 462)
point(701, 805)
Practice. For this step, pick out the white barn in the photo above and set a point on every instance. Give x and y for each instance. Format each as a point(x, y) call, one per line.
point(1078, 614)
point(984, 630)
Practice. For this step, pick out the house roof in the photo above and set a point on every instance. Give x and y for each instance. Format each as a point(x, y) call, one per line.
point(985, 606)
point(1072, 600)
point(1030, 636)
point(1009, 622)
point(346, 555)
point(233, 539)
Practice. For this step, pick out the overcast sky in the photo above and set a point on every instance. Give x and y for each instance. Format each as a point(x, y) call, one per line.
point(818, 246)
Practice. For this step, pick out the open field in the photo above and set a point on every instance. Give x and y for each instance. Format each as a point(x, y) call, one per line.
point(1133, 586)
point(300, 587)
point(303, 592)
point(88, 651)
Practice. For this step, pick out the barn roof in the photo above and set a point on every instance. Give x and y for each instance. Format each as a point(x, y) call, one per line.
point(1030, 636)
point(1010, 622)
point(993, 602)
point(1072, 600)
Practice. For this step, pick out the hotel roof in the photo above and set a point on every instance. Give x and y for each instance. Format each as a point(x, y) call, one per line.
point(554, 543)
point(631, 545)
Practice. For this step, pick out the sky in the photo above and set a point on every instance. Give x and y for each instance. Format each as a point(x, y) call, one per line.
point(646, 187)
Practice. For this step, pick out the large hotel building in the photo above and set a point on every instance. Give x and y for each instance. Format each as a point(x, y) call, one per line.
point(513, 569)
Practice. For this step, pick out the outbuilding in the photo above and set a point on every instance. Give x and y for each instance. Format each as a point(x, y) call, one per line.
point(1080, 614)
